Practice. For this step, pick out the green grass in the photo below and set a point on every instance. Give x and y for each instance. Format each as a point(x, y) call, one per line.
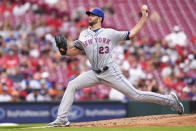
point(26, 127)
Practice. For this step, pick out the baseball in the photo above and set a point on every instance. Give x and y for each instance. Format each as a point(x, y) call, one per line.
point(144, 7)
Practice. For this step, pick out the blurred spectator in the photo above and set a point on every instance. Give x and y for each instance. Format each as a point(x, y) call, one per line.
point(62, 7)
point(188, 79)
point(78, 13)
point(11, 39)
point(35, 95)
point(4, 79)
point(4, 96)
point(34, 82)
point(6, 7)
point(46, 83)
point(92, 5)
point(177, 37)
point(135, 72)
point(72, 69)
point(108, 9)
point(5, 28)
point(87, 94)
point(66, 24)
point(194, 93)
point(155, 17)
point(25, 87)
point(116, 95)
point(11, 63)
point(46, 96)
point(54, 92)
point(186, 93)
point(15, 96)
point(194, 38)
point(155, 87)
point(82, 23)
point(101, 92)
point(61, 90)
point(1, 60)
point(1, 41)
point(51, 2)
point(118, 54)
point(54, 21)
point(41, 26)
point(167, 69)
point(21, 9)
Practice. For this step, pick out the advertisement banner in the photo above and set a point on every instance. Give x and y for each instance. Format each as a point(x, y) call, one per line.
point(94, 111)
point(47, 112)
point(24, 113)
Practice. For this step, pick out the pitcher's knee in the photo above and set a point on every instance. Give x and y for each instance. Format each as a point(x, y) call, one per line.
point(72, 85)
point(136, 97)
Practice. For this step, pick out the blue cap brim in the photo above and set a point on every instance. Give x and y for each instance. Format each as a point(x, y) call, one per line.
point(88, 13)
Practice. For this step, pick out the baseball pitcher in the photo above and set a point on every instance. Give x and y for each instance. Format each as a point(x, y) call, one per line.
point(98, 43)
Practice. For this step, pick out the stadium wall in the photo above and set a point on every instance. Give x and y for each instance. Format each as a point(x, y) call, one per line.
point(43, 112)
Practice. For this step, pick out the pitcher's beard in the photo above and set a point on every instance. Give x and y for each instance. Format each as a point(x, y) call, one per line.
point(92, 23)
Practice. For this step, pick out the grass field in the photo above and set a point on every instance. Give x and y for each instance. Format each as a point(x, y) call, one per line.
point(27, 127)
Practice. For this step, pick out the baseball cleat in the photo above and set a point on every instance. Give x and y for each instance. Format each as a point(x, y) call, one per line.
point(59, 123)
point(177, 105)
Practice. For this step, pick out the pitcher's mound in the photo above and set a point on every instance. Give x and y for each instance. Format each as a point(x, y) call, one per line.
point(155, 120)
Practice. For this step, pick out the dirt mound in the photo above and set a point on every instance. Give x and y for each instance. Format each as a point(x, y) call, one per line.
point(145, 121)
point(155, 120)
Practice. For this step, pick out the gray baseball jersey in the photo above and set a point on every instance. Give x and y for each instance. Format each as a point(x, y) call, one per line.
point(98, 46)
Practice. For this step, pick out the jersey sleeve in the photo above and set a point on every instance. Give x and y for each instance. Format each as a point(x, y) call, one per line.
point(78, 44)
point(121, 35)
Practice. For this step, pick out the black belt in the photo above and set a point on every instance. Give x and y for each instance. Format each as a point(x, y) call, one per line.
point(98, 71)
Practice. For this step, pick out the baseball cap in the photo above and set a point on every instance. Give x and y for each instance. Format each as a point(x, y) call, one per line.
point(97, 12)
point(176, 28)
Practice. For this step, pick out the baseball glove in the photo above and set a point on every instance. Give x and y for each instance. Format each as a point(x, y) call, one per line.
point(61, 43)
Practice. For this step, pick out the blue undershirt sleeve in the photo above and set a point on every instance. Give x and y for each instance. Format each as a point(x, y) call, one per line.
point(127, 38)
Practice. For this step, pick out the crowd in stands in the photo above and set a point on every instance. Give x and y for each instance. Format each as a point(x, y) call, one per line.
point(31, 68)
